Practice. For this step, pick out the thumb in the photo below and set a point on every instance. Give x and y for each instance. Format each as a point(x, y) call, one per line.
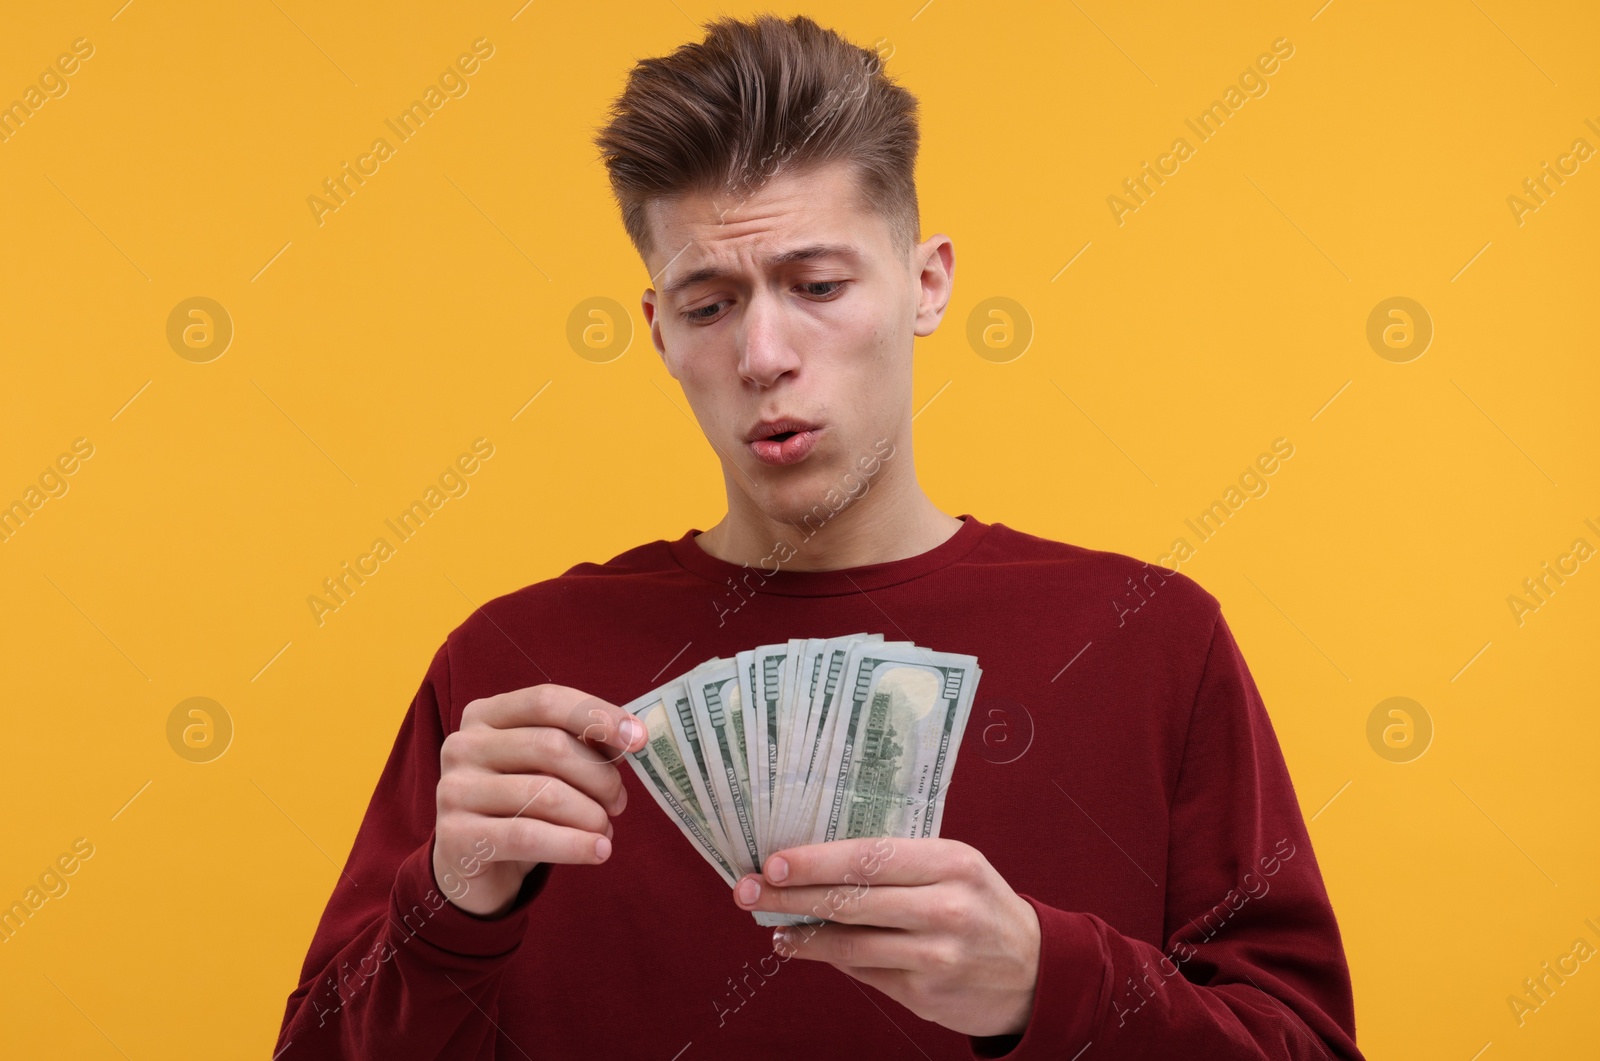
point(605, 726)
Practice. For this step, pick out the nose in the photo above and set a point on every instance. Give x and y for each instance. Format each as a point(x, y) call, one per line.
point(765, 352)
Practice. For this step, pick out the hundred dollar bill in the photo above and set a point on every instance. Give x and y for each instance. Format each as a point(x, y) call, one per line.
point(714, 698)
point(800, 710)
point(772, 670)
point(829, 696)
point(813, 740)
point(752, 730)
point(686, 732)
point(810, 768)
point(794, 701)
point(901, 718)
point(662, 770)
point(796, 709)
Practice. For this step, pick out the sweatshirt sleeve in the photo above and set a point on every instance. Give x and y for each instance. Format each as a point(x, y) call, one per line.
point(395, 970)
point(1253, 966)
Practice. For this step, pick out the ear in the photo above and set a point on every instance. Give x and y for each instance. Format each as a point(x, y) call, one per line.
point(647, 305)
point(935, 261)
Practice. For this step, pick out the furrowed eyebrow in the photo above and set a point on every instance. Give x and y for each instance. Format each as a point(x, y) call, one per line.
point(789, 257)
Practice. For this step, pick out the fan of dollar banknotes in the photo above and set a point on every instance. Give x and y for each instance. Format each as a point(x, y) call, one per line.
point(818, 739)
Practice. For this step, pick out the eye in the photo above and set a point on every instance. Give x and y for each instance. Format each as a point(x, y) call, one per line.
point(836, 284)
point(699, 314)
point(708, 313)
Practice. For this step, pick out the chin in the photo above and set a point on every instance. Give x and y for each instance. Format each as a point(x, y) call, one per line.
point(820, 493)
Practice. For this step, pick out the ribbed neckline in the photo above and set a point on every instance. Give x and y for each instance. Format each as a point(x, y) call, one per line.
point(789, 583)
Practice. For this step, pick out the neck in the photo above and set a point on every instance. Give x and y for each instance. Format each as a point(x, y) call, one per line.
point(892, 520)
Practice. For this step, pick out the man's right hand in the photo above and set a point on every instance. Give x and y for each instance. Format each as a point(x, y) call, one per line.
point(529, 777)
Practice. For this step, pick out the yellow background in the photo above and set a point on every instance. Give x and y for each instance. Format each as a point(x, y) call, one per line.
point(369, 351)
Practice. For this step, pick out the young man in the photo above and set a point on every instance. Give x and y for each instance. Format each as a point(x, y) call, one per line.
point(1122, 871)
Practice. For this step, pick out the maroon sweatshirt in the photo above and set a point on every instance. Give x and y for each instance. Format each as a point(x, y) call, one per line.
point(1119, 771)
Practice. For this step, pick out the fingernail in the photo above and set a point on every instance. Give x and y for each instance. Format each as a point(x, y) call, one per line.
point(630, 732)
point(602, 848)
point(780, 938)
point(777, 869)
point(749, 891)
point(610, 832)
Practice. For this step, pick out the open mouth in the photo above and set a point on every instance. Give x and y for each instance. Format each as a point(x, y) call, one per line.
point(785, 447)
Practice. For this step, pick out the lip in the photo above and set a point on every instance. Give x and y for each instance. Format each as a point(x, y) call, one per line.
point(767, 428)
point(791, 450)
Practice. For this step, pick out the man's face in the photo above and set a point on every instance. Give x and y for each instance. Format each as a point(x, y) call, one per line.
point(755, 332)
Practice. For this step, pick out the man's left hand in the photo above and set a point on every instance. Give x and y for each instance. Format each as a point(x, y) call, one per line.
point(926, 921)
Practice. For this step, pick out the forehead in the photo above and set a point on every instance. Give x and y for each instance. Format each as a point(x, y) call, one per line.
point(795, 217)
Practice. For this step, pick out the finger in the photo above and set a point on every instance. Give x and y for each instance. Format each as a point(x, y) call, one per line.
point(541, 750)
point(586, 717)
point(879, 860)
point(892, 982)
point(526, 795)
point(532, 840)
point(890, 906)
point(855, 946)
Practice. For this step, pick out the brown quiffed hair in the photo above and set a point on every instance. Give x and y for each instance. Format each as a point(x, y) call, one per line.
point(725, 115)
